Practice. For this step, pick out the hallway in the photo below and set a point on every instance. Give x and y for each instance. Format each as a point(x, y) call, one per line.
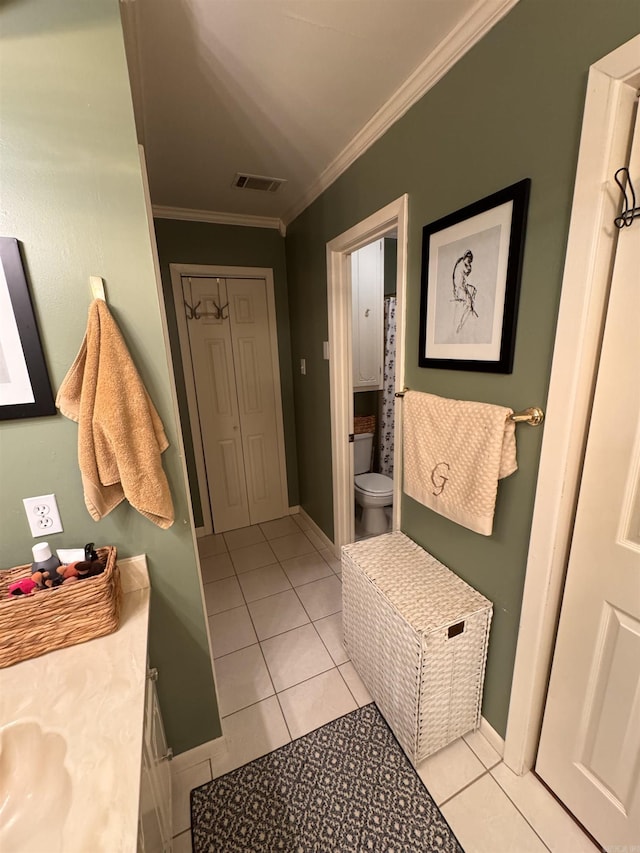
point(273, 596)
point(274, 604)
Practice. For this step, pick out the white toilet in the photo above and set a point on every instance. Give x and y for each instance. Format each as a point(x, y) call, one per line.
point(373, 492)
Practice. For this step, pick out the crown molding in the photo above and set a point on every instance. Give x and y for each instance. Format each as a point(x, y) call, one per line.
point(163, 212)
point(481, 18)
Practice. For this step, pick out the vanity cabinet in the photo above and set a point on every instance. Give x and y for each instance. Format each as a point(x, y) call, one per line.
point(367, 316)
point(154, 826)
point(91, 718)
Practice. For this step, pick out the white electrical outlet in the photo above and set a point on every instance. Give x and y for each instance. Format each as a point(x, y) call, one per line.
point(42, 515)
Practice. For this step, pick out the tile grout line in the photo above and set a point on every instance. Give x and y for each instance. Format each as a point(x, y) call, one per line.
point(516, 807)
point(284, 717)
point(337, 665)
point(487, 772)
point(347, 686)
point(460, 791)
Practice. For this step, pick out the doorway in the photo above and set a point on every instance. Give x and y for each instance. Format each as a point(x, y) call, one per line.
point(373, 331)
point(228, 340)
point(390, 220)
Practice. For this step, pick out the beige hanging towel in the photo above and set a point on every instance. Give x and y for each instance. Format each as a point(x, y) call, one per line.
point(120, 434)
point(454, 454)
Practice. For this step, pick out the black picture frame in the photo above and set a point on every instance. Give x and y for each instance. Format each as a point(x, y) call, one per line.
point(25, 390)
point(470, 285)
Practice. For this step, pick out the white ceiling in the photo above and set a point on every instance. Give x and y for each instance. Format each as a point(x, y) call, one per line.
point(291, 89)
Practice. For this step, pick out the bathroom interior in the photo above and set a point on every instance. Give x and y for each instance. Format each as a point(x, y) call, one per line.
point(74, 198)
point(373, 334)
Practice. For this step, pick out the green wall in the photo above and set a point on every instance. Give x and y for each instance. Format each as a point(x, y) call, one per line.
point(183, 242)
point(510, 109)
point(72, 195)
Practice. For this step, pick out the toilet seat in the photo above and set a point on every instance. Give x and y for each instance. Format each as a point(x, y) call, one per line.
point(374, 484)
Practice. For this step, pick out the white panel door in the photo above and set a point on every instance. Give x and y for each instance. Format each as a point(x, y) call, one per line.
point(590, 745)
point(232, 345)
point(257, 401)
point(215, 383)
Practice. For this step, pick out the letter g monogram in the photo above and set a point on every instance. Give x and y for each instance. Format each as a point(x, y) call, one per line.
point(438, 477)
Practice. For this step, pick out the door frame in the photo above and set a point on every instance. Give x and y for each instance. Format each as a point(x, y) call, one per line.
point(393, 218)
point(609, 105)
point(214, 271)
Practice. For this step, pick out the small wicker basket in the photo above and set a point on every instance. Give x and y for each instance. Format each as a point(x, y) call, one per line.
point(32, 625)
point(363, 424)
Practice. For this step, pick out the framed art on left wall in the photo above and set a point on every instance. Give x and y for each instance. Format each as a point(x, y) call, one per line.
point(25, 390)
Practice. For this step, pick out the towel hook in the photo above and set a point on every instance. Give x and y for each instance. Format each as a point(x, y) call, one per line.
point(192, 310)
point(97, 287)
point(219, 315)
point(630, 211)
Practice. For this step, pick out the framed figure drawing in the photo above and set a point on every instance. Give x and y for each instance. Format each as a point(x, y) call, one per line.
point(25, 390)
point(471, 268)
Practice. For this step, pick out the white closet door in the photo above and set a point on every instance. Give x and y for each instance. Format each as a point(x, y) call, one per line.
point(255, 382)
point(215, 382)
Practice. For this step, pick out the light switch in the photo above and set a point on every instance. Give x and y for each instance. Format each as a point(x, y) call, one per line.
point(303, 366)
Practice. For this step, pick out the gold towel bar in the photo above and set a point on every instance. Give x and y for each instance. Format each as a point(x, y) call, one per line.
point(532, 416)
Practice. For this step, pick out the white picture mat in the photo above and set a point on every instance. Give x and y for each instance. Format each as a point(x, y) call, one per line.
point(487, 235)
point(15, 384)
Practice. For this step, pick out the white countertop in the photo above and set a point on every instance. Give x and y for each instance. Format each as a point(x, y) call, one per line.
point(71, 728)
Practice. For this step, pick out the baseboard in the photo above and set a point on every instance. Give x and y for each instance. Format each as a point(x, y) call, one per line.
point(134, 573)
point(492, 736)
point(294, 510)
point(326, 542)
point(212, 749)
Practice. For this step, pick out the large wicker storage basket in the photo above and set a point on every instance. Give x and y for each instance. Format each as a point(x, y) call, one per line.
point(32, 625)
point(417, 634)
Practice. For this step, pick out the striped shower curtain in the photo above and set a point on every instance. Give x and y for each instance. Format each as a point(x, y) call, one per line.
point(388, 388)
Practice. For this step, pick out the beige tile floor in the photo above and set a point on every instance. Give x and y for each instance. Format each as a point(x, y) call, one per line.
point(273, 598)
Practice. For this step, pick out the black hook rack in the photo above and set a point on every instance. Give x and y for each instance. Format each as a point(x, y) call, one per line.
point(192, 310)
point(193, 313)
point(220, 310)
point(630, 210)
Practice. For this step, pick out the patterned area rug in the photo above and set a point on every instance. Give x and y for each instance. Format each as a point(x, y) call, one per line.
point(346, 787)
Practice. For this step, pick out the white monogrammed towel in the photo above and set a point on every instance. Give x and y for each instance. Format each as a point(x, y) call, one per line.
point(455, 452)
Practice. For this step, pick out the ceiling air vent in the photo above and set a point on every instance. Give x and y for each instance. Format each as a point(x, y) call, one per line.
point(257, 182)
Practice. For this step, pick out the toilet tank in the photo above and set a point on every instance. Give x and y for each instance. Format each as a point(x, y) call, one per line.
point(362, 445)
